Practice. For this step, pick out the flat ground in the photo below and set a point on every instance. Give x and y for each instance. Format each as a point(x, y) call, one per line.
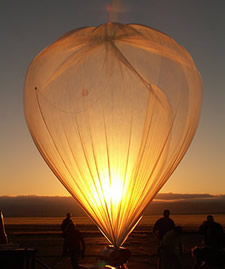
point(47, 240)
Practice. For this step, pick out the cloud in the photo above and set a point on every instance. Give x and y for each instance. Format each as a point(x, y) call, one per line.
point(39, 206)
point(181, 196)
point(48, 206)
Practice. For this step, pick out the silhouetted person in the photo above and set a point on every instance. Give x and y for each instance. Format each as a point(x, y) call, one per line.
point(171, 248)
point(75, 244)
point(161, 227)
point(213, 233)
point(66, 221)
point(212, 257)
point(64, 226)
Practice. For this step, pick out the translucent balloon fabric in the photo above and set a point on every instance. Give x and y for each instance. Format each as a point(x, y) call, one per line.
point(112, 110)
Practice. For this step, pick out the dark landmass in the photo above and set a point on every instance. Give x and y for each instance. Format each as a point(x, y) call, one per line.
point(44, 206)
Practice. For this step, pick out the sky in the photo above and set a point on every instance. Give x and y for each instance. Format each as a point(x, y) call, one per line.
point(27, 27)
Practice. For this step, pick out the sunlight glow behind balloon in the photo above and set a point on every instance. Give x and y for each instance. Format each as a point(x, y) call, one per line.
point(112, 110)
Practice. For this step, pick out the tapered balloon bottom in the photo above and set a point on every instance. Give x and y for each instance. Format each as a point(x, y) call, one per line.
point(115, 257)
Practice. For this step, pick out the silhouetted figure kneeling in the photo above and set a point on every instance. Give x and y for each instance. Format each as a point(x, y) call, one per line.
point(207, 257)
point(214, 236)
point(75, 244)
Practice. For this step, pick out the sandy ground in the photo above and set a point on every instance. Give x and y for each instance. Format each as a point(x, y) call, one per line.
point(47, 240)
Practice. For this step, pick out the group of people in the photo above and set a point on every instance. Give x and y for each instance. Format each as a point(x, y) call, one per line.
point(170, 248)
point(74, 245)
point(212, 253)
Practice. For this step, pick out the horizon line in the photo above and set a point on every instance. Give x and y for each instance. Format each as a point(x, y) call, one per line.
point(185, 195)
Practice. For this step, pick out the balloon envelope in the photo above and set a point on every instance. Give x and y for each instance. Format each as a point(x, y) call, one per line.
point(113, 109)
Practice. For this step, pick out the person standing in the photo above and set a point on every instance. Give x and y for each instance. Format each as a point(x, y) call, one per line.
point(64, 226)
point(163, 225)
point(214, 236)
point(75, 244)
point(160, 228)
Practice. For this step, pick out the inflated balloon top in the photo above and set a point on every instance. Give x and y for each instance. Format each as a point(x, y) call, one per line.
point(112, 110)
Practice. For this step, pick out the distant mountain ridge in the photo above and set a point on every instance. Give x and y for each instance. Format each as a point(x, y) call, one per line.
point(57, 206)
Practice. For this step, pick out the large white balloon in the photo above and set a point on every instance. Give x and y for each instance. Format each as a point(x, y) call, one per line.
point(112, 110)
